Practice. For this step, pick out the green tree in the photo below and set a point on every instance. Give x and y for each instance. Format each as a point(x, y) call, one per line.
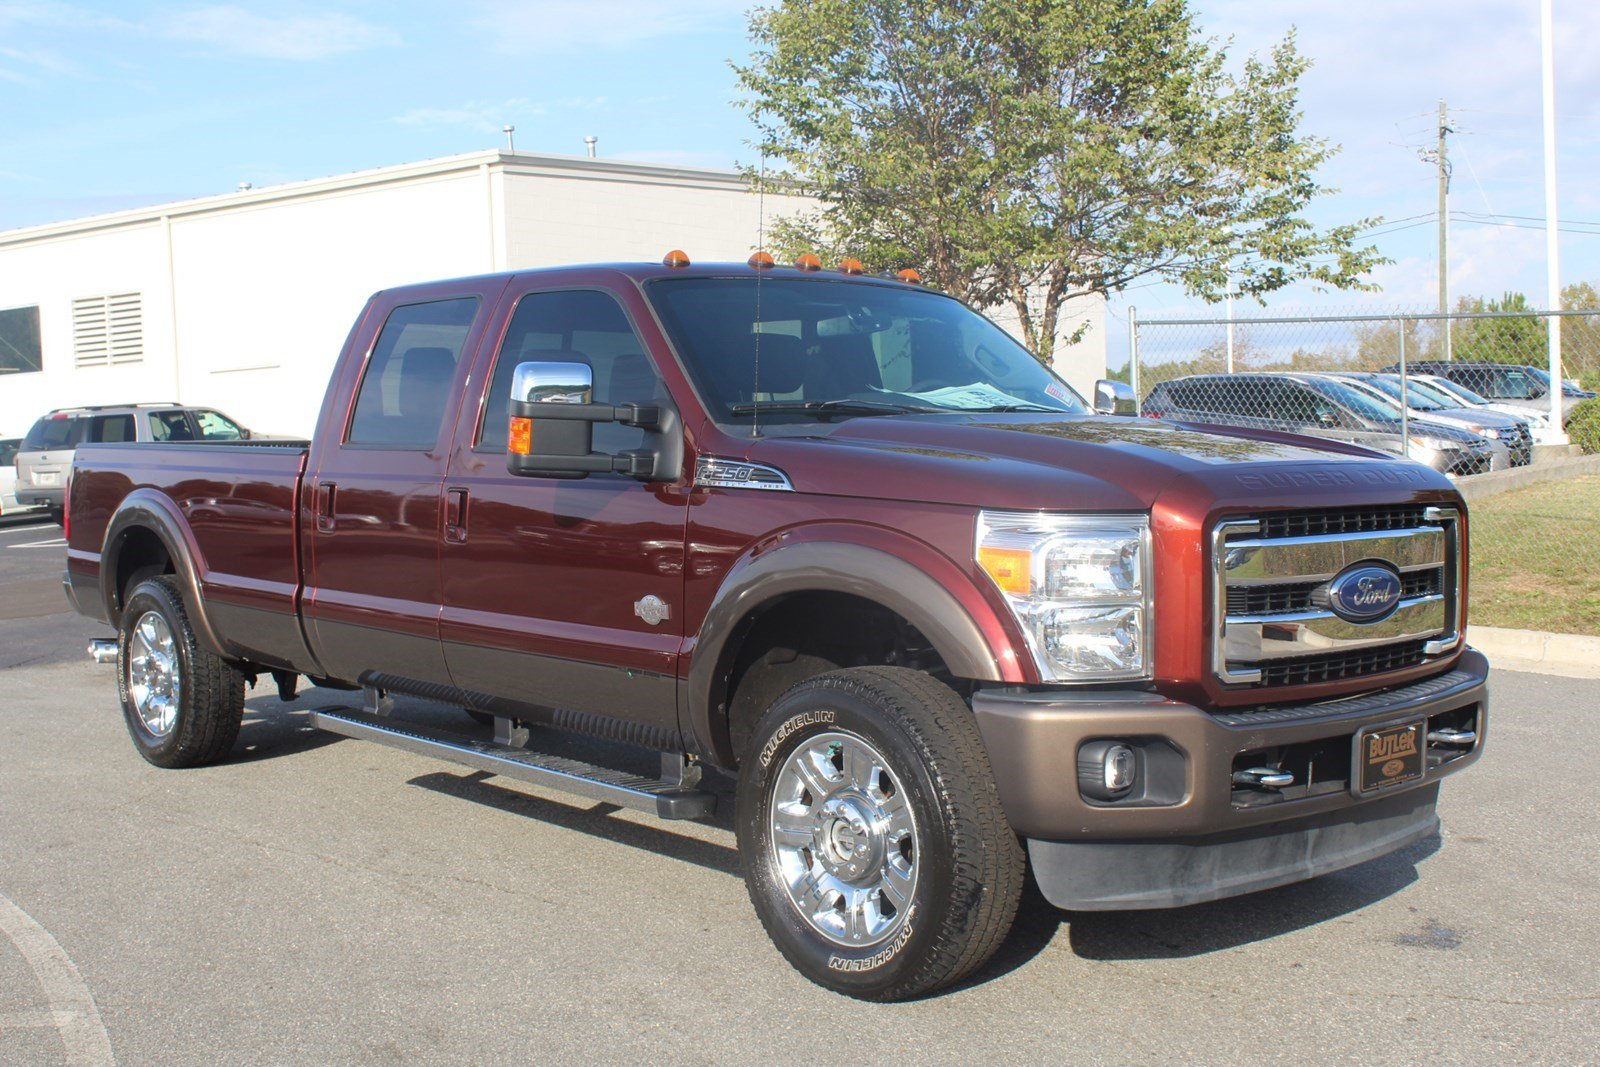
point(1580, 334)
point(1021, 152)
point(1521, 338)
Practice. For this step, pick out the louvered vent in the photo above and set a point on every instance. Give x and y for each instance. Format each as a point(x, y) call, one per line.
point(107, 330)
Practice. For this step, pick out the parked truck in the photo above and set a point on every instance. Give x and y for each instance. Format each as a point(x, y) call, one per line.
point(946, 624)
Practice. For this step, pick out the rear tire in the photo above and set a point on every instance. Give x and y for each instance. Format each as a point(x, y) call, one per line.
point(875, 849)
point(182, 704)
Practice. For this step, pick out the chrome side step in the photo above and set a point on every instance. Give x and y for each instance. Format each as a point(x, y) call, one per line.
point(103, 649)
point(667, 798)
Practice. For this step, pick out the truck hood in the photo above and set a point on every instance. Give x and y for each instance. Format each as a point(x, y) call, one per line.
point(1082, 462)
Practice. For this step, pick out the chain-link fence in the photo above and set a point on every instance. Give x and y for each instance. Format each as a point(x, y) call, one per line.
point(1464, 393)
point(1475, 396)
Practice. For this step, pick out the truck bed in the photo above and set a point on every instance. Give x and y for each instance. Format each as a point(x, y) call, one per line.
point(234, 506)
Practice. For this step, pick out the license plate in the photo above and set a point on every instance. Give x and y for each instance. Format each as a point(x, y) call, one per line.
point(45, 478)
point(1387, 756)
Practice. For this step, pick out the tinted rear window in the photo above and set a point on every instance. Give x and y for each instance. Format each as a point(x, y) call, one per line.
point(50, 433)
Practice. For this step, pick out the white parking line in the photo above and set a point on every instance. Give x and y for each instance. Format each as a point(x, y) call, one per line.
point(59, 542)
point(72, 1007)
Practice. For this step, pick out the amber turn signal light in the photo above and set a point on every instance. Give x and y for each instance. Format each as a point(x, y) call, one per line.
point(910, 276)
point(1011, 568)
point(675, 258)
point(808, 262)
point(761, 261)
point(520, 439)
point(851, 266)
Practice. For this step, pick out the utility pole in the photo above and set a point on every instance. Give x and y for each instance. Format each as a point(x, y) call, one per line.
point(1442, 157)
point(1557, 432)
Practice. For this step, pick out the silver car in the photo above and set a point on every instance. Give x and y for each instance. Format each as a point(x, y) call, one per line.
point(9, 505)
point(45, 457)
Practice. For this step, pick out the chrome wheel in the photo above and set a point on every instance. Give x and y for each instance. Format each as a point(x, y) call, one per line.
point(154, 681)
point(844, 839)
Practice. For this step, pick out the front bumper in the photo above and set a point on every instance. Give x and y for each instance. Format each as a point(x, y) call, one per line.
point(1179, 832)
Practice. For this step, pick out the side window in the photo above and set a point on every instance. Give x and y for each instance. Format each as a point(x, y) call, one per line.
point(1519, 385)
point(572, 326)
point(217, 427)
point(109, 429)
point(1293, 403)
point(406, 384)
point(170, 426)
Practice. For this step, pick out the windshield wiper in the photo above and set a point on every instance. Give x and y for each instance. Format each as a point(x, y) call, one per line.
point(826, 408)
point(1023, 406)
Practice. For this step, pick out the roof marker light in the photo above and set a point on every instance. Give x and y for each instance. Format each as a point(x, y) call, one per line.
point(761, 260)
point(809, 261)
point(851, 266)
point(675, 259)
point(910, 277)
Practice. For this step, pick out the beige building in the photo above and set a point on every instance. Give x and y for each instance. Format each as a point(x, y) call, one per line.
point(242, 301)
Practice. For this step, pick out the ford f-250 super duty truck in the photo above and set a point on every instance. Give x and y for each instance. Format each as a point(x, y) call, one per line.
point(841, 537)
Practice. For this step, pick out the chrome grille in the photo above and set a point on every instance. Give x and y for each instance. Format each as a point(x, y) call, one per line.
point(1281, 524)
point(1272, 623)
point(1296, 596)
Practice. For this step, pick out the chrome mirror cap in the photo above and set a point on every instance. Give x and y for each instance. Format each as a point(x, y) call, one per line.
point(1114, 398)
point(553, 383)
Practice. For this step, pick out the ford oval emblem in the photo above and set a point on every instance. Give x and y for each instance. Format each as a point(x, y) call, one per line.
point(1365, 592)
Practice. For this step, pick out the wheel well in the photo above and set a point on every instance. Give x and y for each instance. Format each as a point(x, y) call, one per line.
point(802, 635)
point(141, 555)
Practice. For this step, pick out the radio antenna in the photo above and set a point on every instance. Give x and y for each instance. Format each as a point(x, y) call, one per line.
point(761, 244)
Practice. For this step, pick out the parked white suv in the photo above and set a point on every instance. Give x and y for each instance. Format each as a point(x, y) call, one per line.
point(9, 505)
point(45, 457)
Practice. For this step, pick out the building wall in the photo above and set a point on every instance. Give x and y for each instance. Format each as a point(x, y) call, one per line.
point(50, 275)
point(247, 298)
point(266, 295)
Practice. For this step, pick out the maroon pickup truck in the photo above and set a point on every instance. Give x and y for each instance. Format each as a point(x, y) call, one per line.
point(844, 539)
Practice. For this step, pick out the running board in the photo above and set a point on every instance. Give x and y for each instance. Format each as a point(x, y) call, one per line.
point(667, 799)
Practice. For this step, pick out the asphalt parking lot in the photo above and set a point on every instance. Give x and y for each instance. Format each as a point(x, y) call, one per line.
point(323, 900)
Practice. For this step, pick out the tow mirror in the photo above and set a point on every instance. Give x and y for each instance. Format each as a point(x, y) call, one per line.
point(1114, 398)
point(553, 415)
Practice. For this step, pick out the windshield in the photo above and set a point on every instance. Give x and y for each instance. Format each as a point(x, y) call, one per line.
point(1415, 398)
point(1457, 390)
point(1364, 404)
point(829, 349)
point(1441, 399)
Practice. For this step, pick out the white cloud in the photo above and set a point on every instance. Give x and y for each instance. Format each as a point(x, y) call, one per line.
point(560, 25)
point(479, 116)
point(297, 37)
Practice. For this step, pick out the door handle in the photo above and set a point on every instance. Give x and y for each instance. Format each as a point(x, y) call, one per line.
point(455, 516)
point(325, 499)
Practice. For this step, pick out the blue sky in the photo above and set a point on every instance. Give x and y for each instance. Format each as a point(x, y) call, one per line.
point(106, 106)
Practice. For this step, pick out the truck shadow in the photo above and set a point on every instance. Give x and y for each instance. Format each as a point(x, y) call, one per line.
point(272, 729)
point(1181, 933)
point(480, 787)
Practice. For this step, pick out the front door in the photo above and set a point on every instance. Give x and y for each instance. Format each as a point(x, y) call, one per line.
point(547, 582)
point(373, 491)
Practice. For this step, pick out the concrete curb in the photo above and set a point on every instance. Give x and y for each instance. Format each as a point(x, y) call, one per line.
point(1539, 652)
point(1480, 486)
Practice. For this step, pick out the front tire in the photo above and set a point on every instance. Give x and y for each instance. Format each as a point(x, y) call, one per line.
point(876, 852)
point(182, 705)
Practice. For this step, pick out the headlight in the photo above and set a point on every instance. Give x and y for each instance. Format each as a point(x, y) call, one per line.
point(1078, 586)
point(1491, 432)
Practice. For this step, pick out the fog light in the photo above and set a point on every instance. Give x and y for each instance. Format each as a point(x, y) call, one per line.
point(1107, 770)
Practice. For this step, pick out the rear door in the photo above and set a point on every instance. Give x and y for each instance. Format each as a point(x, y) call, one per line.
point(373, 486)
point(543, 578)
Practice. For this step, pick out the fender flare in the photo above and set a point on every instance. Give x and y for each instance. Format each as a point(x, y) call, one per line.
point(148, 509)
point(873, 574)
